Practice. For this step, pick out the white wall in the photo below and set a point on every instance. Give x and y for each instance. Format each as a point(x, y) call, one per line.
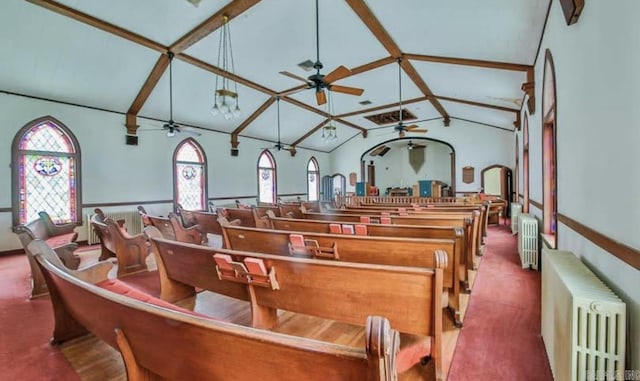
point(475, 145)
point(393, 169)
point(114, 172)
point(597, 80)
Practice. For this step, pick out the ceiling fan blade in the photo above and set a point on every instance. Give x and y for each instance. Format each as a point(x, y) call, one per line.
point(401, 133)
point(346, 90)
point(419, 130)
point(411, 127)
point(338, 73)
point(321, 97)
point(291, 75)
point(188, 130)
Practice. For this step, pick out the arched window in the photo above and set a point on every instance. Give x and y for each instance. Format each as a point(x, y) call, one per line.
point(549, 175)
point(313, 180)
point(46, 172)
point(267, 182)
point(190, 175)
point(525, 164)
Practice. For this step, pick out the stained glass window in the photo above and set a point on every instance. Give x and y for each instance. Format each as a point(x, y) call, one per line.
point(46, 157)
point(313, 180)
point(266, 178)
point(190, 175)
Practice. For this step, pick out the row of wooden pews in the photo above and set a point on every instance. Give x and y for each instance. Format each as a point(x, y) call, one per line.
point(158, 340)
point(404, 273)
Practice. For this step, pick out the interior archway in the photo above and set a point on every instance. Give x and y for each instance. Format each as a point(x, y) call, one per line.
point(401, 164)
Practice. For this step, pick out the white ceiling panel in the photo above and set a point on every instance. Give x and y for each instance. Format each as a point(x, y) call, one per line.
point(294, 123)
point(494, 30)
point(50, 55)
point(274, 36)
point(193, 98)
point(48, 59)
point(162, 21)
point(491, 86)
point(495, 118)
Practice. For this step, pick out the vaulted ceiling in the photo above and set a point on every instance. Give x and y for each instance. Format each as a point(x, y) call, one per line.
point(460, 59)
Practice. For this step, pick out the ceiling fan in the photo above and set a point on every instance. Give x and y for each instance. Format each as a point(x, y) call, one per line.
point(279, 146)
point(318, 81)
point(412, 145)
point(400, 127)
point(170, 126)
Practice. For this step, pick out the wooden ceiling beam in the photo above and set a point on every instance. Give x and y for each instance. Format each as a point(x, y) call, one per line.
point(478, 104)
point(372, 65)
point(208, 26)
point(468, 62)
point(382, 107)
point(97, 23)
point(314, 129)
point(216, 70)
point(254, 116)
point(151, 82)
point(354, 126)
point(417, 79)
point(369, 19)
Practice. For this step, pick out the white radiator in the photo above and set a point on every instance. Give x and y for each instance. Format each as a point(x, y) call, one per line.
point(528, 240)
point(132, 222)
point(583, 321)
point(516, 209)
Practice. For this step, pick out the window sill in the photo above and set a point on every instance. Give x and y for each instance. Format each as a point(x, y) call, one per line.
point(549, 240)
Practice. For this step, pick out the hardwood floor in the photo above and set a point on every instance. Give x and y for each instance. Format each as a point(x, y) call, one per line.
point(94, 360)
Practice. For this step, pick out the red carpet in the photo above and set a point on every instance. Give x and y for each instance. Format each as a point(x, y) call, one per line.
point(501, 335)
point(27, 325)
point(25, 353)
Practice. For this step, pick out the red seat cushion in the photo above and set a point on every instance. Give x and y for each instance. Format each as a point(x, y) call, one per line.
point(61, 240)
point(119, 287)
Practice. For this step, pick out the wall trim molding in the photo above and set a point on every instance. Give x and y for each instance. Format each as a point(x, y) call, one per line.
point(6, 210)
point(535, 203)
point(127, 203)
point(623, 252)
point(12, 252)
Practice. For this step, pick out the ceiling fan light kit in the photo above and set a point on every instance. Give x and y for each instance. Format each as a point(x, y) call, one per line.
point(225, 95)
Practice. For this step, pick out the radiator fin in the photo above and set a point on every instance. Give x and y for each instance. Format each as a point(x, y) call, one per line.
point(516, 209)
point(583, 321)
point(132, 222)
point(528, 240)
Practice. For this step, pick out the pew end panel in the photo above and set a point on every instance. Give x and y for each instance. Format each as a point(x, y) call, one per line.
point(131, 251)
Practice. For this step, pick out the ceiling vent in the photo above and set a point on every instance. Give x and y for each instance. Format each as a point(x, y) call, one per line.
point(306, 65)
point(365, 103)
point(391, 117)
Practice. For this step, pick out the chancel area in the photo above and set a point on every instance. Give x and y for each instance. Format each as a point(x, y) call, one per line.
point(319, 190)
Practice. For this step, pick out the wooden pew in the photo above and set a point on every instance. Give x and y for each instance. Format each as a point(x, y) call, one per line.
point(381, 230)
point(131, 251)
point(159, 342)
point(410, 297)
point(392, 251)
point(290, 210)
point(260, 215)
point(469, 221)
point(245, 216)
point(171, 228)
point(207, 221)
point(59, 236)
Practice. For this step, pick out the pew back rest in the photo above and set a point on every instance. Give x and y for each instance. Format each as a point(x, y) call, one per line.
point(407, 296)
point(245, 216)
point(362, 249)
point(174, 345)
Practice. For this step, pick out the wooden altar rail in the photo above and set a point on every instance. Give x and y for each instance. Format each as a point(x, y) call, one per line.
point(404, 200)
